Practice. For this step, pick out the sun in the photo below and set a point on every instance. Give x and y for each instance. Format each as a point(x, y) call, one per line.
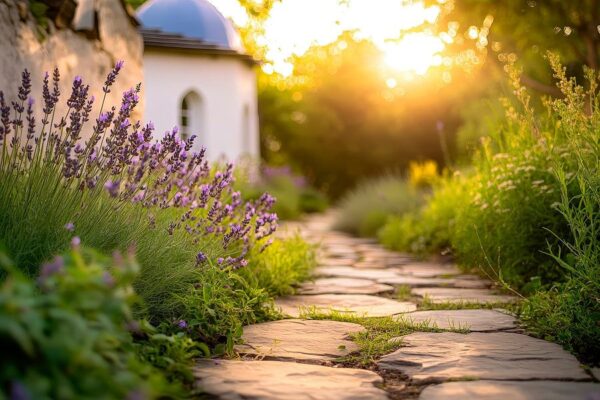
point(415, 52)
point(295, 25)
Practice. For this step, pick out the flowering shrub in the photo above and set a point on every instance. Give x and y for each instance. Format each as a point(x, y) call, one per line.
point(114, 187)
point(527, 214)
point(68, 334)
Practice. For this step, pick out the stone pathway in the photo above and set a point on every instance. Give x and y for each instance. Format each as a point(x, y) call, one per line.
point(475, 354)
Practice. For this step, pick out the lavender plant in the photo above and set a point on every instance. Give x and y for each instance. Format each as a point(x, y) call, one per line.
point(107, 181)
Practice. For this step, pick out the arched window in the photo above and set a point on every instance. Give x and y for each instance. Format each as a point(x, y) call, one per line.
point(191, 117)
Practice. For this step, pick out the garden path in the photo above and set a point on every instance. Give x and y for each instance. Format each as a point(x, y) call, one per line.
point(476, 351)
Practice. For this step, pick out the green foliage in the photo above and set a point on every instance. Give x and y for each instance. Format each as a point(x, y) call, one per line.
point(219, 304)
point(281, 266)
point(293, 195)
point(427, 230)
point(528, 213)
point(67, 337)
point(366, 208)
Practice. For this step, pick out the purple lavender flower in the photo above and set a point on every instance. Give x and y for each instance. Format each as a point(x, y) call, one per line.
point(112, 187)
point(75, 242)
point(182, 324)
point(200, 258)
point(70, 226)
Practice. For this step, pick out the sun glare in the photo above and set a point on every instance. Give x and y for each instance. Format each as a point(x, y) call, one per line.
point(414, 53)
point(295, 25)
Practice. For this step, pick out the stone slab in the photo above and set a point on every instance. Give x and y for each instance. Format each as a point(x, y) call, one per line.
point(428, 270)
point(496, 356)
point(358, 304)
point(298, 339)
point(275, 380)
point(457, 295)
point(458, 282)
point(349, 272)
point(344, 286)
point(370, 264)
point(336, 262)
point(497, 390)
point(472, 320)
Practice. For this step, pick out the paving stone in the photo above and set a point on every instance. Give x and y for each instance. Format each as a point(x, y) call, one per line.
point(349, 272)
point(336, 262)
point(299, 339)
point(473, 320)
point(428, 270)
point(370, 264)
point(496, 356)
point(497, 390)
point(359, 304)
point(415, 281)
point(457, 295)
point(275, 380)
point(344, 286)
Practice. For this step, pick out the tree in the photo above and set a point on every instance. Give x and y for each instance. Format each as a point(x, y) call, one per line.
point(504, 30)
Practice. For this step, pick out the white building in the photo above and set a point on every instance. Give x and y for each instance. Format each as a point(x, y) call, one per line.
point(197, 77)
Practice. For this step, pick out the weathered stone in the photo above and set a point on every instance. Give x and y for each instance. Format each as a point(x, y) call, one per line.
point(275, 380)
point(74, 54)
point(472, 320)
point(344, 286)
point(370, 264)
point(495, 390)
point(496, 356)
point(358, 304)
point(457, 282)
point(427, 270)
point(349, 272)
point(336, 262)
point(299, 339)
point(457, 295)
point(596, 373)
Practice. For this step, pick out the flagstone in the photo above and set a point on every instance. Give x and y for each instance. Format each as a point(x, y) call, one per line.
point(457, 282)
point(299, 339)
point(358, 304)
point(516, 390)
point(349, 272)
point(497, 356)
point(276, 380)
point(426, 270)
point(344, 286)
point(438, 295)
point(471, 320)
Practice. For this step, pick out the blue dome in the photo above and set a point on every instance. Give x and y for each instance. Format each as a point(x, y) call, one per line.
point(196, 19)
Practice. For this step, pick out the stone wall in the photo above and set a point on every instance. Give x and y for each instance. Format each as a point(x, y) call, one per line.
point(86, 51)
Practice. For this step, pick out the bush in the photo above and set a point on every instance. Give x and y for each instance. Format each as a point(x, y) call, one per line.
point(529, 212)
point(118, 189)
point(366, 208)
point(66, 335)
point(283, 265)
point(428, 229)
point(293, 195)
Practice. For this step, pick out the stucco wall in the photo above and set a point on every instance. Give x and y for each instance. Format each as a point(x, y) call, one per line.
point(226, 85)
point(72, 52)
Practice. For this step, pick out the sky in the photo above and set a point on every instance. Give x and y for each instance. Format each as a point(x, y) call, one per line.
point(294, 25)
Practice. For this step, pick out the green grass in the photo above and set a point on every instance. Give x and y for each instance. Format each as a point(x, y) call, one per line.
point(282, 266)
point(375, 341)
point(365, 209)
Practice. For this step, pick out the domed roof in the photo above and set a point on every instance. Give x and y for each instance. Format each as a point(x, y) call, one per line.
point(195, 19)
